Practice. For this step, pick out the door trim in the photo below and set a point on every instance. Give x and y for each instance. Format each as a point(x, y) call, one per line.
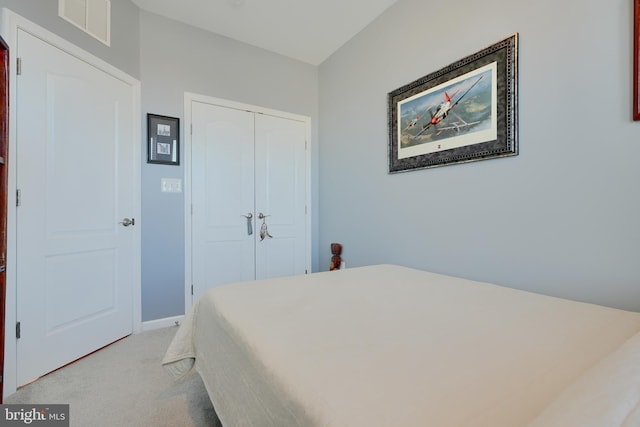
point(11, 24)
point(5, 58)
point(190, 97)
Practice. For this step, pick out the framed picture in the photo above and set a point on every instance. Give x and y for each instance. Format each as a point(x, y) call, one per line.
point(636, 58)
point(464, 112)
point(163, 140)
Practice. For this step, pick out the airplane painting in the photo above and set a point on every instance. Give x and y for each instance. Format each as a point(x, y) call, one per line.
point(463, 112)
point(457, 108)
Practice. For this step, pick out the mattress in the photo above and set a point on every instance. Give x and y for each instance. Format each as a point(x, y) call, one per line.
point(388, 345)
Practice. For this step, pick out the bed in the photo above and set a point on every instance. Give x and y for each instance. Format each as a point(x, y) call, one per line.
point(386, 345)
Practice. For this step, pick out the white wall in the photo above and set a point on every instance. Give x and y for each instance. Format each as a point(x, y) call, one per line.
point(175, 59)
point(560, 218)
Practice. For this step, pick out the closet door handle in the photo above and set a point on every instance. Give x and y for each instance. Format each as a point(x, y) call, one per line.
point(249, 216)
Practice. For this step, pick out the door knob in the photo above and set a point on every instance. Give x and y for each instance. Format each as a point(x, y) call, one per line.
point(127, 222)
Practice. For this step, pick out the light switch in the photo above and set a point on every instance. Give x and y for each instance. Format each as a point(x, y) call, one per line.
point(171, 185)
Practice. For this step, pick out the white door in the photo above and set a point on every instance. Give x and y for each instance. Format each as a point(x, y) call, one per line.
point(280, 195)
point(75, 175)
point(222, 191)
point(243, 165)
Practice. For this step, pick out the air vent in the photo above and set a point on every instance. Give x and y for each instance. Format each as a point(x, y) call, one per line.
point(91, 16)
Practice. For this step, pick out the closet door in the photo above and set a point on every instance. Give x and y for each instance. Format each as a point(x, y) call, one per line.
point(247, 169)
point(280, 196)
point(222, 191)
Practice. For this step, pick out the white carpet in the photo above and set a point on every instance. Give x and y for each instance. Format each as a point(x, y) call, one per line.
point(124, 385)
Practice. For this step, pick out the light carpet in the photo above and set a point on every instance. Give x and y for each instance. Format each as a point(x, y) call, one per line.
point(124, 384)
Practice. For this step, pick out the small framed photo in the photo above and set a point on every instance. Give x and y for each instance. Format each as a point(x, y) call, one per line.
point(163, 140)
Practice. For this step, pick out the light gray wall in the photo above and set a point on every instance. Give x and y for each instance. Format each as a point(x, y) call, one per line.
point(175, 59)
point(561, 218)
point(125, 39)
point(170, 58)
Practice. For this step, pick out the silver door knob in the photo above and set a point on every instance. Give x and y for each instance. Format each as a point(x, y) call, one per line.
point(127, 222)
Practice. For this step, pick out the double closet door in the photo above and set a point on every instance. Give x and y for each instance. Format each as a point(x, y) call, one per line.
point(248, 196)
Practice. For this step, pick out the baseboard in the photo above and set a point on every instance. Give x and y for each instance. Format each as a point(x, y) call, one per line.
point(162, 323)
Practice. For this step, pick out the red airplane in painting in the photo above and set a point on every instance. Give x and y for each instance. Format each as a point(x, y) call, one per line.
point(444, 108)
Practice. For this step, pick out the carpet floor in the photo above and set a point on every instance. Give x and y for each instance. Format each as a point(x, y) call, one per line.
point(124, 384)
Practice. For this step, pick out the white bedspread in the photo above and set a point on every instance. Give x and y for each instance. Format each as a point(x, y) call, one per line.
point(607, 395)
point(389, 346)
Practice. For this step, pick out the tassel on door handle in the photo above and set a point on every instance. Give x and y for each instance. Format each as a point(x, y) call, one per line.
point(264, 231)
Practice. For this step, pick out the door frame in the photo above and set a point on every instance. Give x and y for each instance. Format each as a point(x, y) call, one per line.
point(190, 97)
point(11, 24)
point(5, 59)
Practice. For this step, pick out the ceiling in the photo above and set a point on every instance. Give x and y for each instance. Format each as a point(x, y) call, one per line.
point(307, 30)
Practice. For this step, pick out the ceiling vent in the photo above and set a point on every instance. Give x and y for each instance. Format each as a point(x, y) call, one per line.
point(91, 16)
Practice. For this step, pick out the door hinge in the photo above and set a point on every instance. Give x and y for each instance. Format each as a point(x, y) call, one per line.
point(192, 289)
point(18, 66)
point(18, 197)
point(191, 126)
point(18, 332)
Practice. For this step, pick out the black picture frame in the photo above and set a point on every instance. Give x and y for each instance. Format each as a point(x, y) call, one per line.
point(466, 111)
point(163, 139)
